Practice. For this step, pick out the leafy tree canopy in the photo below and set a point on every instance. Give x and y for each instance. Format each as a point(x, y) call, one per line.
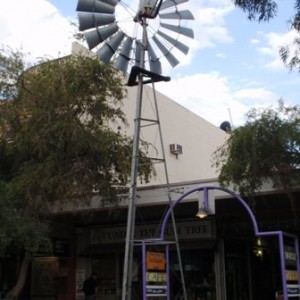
point(56, 141)
point(264, 10)
point(266, 148)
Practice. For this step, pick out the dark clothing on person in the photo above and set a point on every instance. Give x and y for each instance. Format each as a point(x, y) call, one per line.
point(90, 288)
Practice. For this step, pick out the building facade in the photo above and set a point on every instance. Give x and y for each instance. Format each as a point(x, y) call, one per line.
point(221, 257)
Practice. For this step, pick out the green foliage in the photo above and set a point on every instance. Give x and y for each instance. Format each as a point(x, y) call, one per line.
point(11, 66)
point(56, 141)
point(264, 10)
point(265, 149)
point(292, 61)
point(19, 230)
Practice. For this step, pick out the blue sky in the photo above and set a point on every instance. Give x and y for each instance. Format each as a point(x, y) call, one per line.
point(232, 66)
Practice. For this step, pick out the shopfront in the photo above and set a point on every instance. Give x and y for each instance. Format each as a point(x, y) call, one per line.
point(221, 258)
point(102, 251)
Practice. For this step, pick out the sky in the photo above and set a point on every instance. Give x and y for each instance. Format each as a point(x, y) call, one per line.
point(232, 66)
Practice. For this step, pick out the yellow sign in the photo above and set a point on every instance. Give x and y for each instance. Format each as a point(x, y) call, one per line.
point(156, 261)
point(156, 277)
point(291, 275)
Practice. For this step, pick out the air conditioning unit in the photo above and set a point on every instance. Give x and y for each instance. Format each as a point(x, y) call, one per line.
point(175, 149)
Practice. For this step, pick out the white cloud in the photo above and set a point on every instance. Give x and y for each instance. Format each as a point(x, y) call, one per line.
point(254, 41)
point(209, 25)
point(207, 95)
point(255, 94)
point(36, 26)
point(221, 55)
point(274, 41)
point(211, 97)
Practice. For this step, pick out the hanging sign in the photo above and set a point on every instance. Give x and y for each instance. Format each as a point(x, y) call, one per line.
point(155, 261)
point(156, 290)
point(293, 290)
point(291, 275)
point(156, 277)
point(290, 255)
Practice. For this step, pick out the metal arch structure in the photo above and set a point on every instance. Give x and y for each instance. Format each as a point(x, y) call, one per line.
point(281, 235)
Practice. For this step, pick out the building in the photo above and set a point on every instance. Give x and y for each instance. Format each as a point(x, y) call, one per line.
point(99, 243)
point(221, 257)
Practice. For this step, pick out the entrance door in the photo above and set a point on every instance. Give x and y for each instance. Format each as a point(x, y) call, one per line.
point(199, 275)
point(105, 268)
point(237, 280)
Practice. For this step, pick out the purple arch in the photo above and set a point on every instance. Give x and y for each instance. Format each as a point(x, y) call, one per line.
point(279, 234)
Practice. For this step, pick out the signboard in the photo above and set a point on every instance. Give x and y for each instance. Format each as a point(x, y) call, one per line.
point(61, 247)
point(293, 290)
point(155, 261)
point(156, 281)
point(156, 290)
point(291, 275)
point(156, 277)
point(43, 278)
point(190, 230)
point(291, 271)
point(290, 255)
point(80, 277)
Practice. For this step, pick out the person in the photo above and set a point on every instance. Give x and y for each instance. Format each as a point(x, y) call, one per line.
point(90, 287)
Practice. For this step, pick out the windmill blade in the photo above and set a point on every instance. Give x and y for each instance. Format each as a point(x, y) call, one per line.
point(95, 6)
point(180, 14)
point(108, 49)
point(98, 22)
point(169, 56)
point(91, 20)
point(111, 2)
point(124, 56)
point(170, 3)
point(179, 29)
point(97, 36)
point(180, 46)
point(155, 65)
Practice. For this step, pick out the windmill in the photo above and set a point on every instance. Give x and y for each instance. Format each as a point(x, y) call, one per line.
point(156, 28)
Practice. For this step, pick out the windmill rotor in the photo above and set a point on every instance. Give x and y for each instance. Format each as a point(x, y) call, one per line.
point(113, 29)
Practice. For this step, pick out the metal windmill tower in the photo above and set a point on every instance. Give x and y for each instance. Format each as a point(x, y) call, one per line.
point(142, 50)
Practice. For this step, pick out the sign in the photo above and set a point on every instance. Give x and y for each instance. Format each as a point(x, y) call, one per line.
point(44, 274)
point(155, 261)
point(61, 247)
point(156, 290)
point(290, 255)
point(156, 277)
point(80, 277)
point(200, 229)
point(293, 290)
point(291, 275)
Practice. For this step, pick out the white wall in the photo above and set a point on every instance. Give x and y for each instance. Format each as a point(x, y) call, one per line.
point(198, 137)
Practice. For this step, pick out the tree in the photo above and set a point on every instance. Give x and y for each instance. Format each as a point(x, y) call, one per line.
point(264, 10)
point(265, 149)
point(57, 145)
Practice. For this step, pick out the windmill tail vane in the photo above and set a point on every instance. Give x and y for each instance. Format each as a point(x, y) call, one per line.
point(107, 34)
